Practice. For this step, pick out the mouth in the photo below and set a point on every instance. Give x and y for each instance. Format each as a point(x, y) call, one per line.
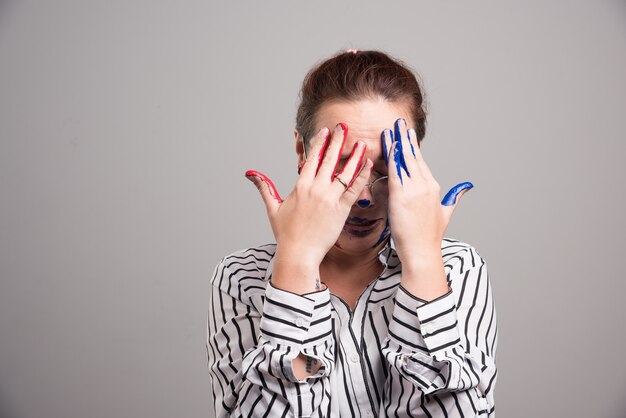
point(360, 227)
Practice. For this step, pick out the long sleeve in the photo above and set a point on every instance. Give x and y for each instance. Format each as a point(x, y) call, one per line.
point(251, 351)
point(444, 346)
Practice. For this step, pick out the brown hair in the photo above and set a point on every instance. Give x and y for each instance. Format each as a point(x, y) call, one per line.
point(355, 75)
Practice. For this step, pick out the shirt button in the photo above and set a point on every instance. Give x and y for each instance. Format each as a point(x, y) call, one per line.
point(355, 358)
point(300, 322)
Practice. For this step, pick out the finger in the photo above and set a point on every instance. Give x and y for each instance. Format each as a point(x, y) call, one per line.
point(402, 135)
point(268, 191)
point(314, 158)
point(393, 168)
point(421, 163)
point(351, 169)
point(353, 192)
point(386, 139)
point(453, 197)
point(330, 161)
point(399, 152)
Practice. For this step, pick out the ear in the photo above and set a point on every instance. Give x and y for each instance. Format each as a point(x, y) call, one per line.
point(299, 147)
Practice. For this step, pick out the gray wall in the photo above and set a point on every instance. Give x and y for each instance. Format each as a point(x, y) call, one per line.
point(126, 127)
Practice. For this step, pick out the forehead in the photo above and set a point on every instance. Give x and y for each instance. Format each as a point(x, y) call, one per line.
point(366, 119)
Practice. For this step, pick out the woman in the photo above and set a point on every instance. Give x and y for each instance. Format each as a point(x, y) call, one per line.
point(362, 308)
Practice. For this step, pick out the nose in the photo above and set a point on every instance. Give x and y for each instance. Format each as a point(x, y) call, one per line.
point(365, 199)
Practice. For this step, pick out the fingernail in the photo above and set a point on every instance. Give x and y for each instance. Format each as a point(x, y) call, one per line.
point(254, 176)
point(344, 128)
point(323, 132)
point(253, 179)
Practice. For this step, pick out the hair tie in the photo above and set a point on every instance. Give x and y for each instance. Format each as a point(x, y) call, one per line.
point(353, 51)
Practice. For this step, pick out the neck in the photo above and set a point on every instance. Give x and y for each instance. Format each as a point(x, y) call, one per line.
point(342, 268)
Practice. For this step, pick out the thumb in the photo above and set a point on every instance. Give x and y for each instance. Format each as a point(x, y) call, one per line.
point(453, 197)
point(266, 187)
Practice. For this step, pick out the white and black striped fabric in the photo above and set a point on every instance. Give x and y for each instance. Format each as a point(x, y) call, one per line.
point(394, 356)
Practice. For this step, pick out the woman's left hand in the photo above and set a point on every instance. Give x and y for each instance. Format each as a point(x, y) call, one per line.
point(418, 219)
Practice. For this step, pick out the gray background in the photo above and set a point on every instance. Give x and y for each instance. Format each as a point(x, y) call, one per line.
point(126, 127)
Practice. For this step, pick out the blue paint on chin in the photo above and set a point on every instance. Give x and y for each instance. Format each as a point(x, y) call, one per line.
point(450, 197)
point(364, 203)
point(384, 234)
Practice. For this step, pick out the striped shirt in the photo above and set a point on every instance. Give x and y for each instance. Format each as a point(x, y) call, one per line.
point(395, 355)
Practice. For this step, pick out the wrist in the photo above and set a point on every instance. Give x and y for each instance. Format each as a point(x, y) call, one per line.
point(295, 273)
point(426, 279)
point(298, 258)
point(419, 262)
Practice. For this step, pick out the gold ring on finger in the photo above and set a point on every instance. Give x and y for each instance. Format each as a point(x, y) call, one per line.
point(342, 182)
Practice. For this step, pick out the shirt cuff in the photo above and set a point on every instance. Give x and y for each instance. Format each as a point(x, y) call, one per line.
point(296, 320)
point(424, 326)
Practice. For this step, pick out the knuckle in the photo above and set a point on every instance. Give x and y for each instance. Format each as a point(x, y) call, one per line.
point(433, 186)
point(328, 157)
point(300, 188)
point(317, 194)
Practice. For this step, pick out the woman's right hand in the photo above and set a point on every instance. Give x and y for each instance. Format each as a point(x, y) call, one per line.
point(309, 220)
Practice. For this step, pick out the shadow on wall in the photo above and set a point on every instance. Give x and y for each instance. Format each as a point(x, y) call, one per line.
point(6, 409)
point(5, 8)
point(619, 409)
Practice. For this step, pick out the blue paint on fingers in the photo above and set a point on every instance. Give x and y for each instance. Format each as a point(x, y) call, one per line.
point(384, 144)
point(398, 154)
point(411, 144)
point(450, 197)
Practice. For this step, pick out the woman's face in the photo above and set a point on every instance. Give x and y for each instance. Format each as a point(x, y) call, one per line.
point(366, 226)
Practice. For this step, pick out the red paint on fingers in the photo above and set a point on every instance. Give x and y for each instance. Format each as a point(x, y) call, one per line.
point(344, 127)
point(359, 164)
point(320, 156)
point(266, 180)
